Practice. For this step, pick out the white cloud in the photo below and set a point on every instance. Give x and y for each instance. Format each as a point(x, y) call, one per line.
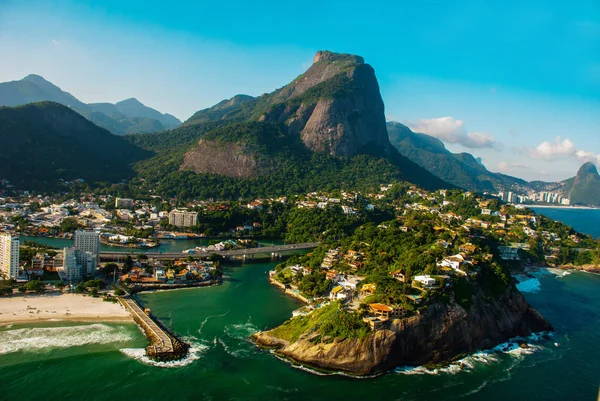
point(450, 130)
point(561, 149)
point(55, 42)
point(553, 150)
point(506, 167)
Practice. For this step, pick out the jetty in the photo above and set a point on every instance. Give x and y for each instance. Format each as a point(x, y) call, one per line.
point(164, 346)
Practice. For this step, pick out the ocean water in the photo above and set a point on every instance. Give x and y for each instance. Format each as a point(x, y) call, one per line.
point(105, 361)
point(584, 220)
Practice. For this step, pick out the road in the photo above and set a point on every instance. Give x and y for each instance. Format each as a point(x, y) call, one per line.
point(235, 252)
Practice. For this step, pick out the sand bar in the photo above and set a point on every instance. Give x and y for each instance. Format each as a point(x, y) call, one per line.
point(48, 307)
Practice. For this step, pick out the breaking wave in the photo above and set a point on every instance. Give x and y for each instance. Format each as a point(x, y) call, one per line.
point(511, 348)
point(195, 353)
point(37, 338)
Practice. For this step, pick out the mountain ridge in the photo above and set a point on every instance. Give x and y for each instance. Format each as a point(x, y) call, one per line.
point(120, 118)
point(50, 143)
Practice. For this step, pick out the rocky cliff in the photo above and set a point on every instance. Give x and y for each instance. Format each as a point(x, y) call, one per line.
point(586, 186)
point(439, 333)
point(335, 106)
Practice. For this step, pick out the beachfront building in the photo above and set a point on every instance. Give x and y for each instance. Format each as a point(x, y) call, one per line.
point(9, 255)
point(183, 218)
point(72, 271)
point(87, 242)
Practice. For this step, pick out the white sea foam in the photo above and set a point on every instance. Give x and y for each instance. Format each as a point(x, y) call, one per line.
point(530, 284)
point(139, 354)
point(241, 331)
point(511, 348)
point(37, 338)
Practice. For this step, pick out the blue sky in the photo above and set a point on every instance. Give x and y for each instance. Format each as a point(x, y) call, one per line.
point(515, 83)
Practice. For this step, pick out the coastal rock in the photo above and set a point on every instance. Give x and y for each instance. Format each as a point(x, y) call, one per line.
point(439, 334)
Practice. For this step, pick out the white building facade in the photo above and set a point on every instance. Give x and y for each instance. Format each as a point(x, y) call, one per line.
point(9, 255)
point(183, 218)
point(87, 242)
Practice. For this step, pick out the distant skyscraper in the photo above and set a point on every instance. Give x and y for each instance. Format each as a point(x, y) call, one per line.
point(87, 242)
point(9, 255)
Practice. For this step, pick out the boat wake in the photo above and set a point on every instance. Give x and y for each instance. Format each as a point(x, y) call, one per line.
point(38, 338)
point(210, 317)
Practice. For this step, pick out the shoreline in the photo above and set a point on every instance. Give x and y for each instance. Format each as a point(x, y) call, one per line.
point(59, 307)
point(70, 318)
point(563, 207)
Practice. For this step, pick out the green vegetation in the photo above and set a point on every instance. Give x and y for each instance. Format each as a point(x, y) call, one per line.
point(586, 186)
point(328, 321)
point(50, 142)
point(462, 170)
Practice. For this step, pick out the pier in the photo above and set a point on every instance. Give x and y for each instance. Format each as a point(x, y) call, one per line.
point(163, 345)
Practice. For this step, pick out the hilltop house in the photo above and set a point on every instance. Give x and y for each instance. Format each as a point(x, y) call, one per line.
point(424, 281)
point(455, 262)
point(399, 275)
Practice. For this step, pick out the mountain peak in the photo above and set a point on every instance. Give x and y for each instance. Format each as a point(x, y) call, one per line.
point(327, 56)
point(130, 102)
point(35, 78)
point(588, 168)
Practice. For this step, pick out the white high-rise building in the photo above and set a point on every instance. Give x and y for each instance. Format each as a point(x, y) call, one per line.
point(73, 270)
point(9, 255)
point(183, 218)
point(87, 241)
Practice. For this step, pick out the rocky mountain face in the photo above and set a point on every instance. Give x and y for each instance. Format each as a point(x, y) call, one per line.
point(126, 117)
point(460, 169)
point(51, 142)
point(332, 109)
point(335, 107)
point(585, 187)
point(441, 333)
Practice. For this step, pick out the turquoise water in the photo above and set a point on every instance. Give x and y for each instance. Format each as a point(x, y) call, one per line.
point(89, 365)
point(165, 246)
point(583, 220)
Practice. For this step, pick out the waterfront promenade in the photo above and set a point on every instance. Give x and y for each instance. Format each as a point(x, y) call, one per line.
point(235, 252)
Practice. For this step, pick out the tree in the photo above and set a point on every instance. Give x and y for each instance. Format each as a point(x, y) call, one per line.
point(110, 268)
point(69, 224)
point(35, 286)
point(119, 292)
point(127, 264)
point(6, 287)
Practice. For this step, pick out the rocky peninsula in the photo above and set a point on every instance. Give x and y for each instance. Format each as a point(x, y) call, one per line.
point(440, 333)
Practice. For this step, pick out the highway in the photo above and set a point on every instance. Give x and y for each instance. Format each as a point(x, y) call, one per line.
point(235, 252)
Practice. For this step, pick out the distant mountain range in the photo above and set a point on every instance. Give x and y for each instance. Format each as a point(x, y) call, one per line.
point(460, 169)
point(125, 117)
point(464, 171)
point(47, 142)
point(326, 129)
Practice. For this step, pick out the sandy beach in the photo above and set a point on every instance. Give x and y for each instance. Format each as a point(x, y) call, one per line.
point(50, 307)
